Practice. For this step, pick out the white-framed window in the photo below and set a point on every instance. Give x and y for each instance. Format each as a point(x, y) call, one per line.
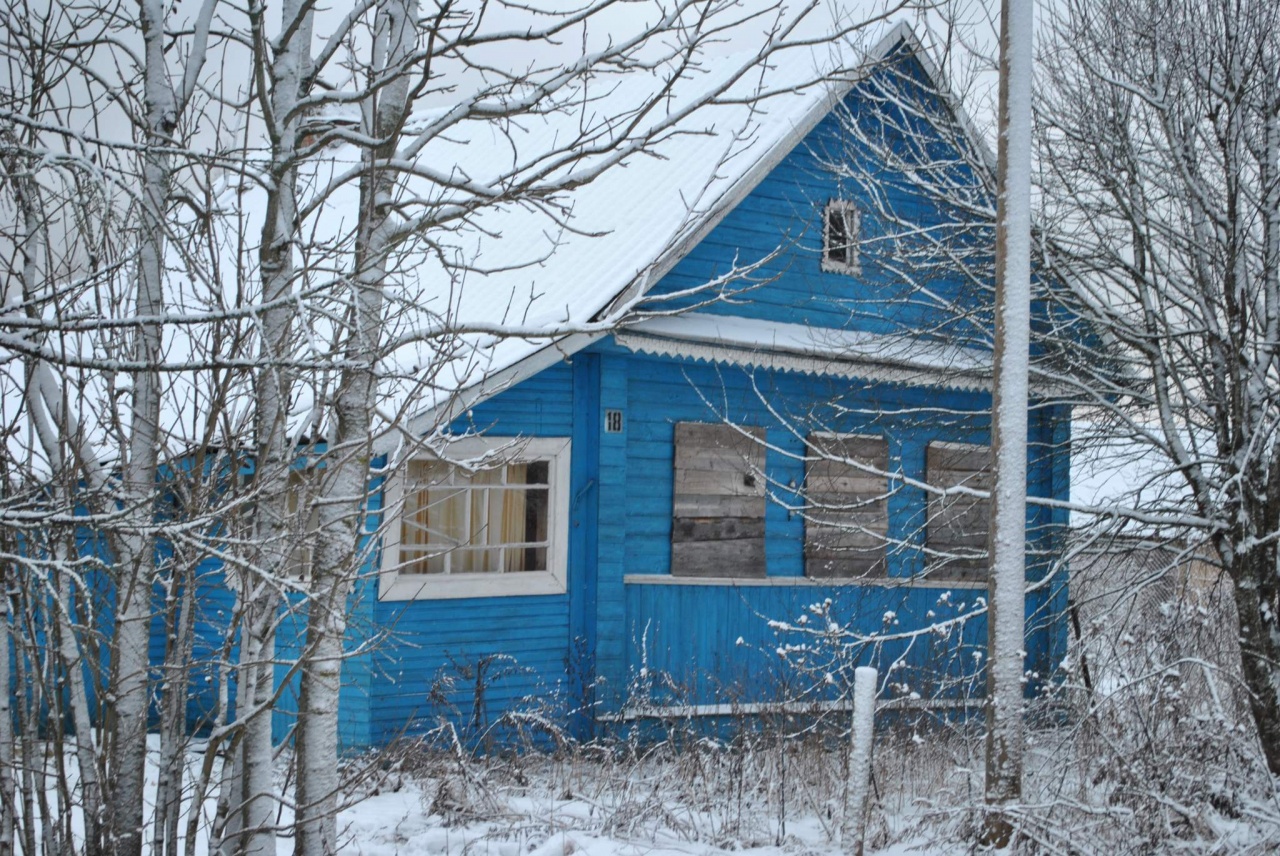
point(500, 527)
point(840, 226)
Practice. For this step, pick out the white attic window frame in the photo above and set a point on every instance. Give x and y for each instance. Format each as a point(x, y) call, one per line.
point(396, 583)
point(841, 215)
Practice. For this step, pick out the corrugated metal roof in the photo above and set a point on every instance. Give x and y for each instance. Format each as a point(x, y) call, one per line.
point(622, 232)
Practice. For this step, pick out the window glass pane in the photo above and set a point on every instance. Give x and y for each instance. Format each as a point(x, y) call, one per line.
point(837, 236)
point(535, 516)
point(535, 472)
point(468, 561)
point(526, 559)
point(489, 521)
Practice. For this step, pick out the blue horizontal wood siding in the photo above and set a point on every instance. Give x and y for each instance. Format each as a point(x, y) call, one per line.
point(472, 660)
point(717, 644)
point(691, 632)
point(783, 215)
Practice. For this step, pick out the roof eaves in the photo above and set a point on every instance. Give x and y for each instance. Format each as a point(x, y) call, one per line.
point(844, 366)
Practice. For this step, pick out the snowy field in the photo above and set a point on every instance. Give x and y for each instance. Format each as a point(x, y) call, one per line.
point(754, 794)
point(695, 804)
point(579, 807)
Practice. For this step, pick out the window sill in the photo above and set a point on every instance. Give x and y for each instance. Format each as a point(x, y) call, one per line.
point(829, 266)
point(395, 586)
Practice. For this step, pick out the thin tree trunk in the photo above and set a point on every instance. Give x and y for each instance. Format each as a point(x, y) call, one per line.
point(1006, 582)
point(135, 548)
point(8, 805)
point(337, 558)
point(1259, 649)
point(1255, 575)
point(256, 802)
point(179, 645)
point(86, 752)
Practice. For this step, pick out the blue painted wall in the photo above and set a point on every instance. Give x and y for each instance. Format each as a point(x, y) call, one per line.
point(470, 660)
point(784, 213)
point(694, 630)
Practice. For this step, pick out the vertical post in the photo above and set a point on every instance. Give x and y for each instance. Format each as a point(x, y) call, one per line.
point(584, 516)
point(1006, 596)
point(854, 833)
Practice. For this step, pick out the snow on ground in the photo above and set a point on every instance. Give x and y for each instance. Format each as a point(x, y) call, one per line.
point(401, 823)
point(749, 793)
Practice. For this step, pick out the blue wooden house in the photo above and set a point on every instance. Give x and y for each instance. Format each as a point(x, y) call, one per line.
point(692, 512)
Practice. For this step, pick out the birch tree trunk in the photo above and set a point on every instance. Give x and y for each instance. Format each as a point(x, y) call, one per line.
point(1006, 582)
point(337, 556)
point(255, 803)
point(135, 553)
point(134, 561)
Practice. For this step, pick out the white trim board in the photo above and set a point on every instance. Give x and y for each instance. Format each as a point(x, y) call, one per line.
point(687, 711)
point(802, 582)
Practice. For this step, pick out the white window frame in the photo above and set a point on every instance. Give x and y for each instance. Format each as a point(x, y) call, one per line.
point(853, 225)
point(395, 585)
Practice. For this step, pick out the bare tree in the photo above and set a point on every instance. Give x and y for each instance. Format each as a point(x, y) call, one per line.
point(216, 226)
point(1006, 586)
point(1160, 151)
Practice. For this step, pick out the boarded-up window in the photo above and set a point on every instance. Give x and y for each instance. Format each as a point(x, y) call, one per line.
point(956, 535)
point(717, 528)
point(846, 506)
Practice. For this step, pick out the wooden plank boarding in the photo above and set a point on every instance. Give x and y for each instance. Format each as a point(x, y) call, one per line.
point(688, 529)
point(718, 501)
point(847, 511)
point(702, 506)
point(743, 557)
point(957, 524)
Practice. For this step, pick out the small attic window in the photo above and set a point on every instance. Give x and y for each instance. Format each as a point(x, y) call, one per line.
point(840, 224)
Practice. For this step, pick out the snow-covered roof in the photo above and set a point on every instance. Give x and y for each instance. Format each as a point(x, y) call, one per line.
point(623, 231)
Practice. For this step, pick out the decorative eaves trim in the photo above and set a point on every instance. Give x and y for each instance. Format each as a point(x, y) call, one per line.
point(863, 369)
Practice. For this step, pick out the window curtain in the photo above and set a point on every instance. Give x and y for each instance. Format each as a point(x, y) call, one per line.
point(460, 527)
point(514, 504)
